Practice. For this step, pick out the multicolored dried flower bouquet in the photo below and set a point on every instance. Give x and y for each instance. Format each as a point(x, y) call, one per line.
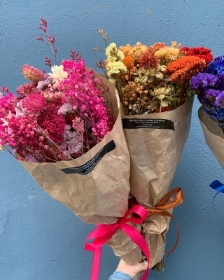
point(153, 78)
point(153, 84)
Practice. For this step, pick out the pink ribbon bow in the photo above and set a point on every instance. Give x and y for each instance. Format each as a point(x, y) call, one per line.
point(104, 233)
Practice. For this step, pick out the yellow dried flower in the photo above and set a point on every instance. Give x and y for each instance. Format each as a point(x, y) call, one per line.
point(117, 67)
point(111, 49)
point(113, 52)
point(167, 53)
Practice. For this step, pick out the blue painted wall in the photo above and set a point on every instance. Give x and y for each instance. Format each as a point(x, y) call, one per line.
point(39, 238)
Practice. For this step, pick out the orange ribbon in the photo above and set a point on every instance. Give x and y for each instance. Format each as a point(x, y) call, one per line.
point(164, 205)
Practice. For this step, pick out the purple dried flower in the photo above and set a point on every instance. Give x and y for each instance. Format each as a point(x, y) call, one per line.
point(211, 94)
point(220, 100)
point(204, 80)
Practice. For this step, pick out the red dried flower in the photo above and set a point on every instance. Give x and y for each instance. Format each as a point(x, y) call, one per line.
point(51, 122)
point(201, 52)
point(148, 60)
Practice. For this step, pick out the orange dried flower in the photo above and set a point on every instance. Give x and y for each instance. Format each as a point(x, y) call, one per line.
point(128, 62)
point(155, 47)
point(184, 68)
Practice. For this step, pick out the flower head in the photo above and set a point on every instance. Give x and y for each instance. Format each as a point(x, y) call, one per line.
point(201, 52)
point(204, 80)
point(148, 60)
point(184, 68)
point(32, 74)
point(58, 73)
point(167, 53)
point(128, 62)
point(220, 100)
point(34, 102)
point(216, 67)
point(26, 88)
point(115, 68)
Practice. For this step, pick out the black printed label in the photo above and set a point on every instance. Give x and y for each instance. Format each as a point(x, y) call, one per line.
point(90, 165)
point(147, 123)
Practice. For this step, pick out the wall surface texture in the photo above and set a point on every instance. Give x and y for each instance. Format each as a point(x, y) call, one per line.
point(40, 238)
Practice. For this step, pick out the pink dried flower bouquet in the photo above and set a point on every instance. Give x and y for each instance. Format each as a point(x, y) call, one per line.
point(58, 116)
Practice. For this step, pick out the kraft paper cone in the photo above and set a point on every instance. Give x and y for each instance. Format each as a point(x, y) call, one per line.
point(155, 146)
point(214, 135)
point(96, 185)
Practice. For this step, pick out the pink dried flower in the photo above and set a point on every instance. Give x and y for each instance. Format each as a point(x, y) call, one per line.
point(43, 22)
point(65, 108)
point(33, 74)
point(75, 55)
point(51, 122)
point(39, 38)
point(4, 89)
point(47, 61)
point(34, 102)
point(78, 125)
point(85, 92)
point(73, 142)
point(51, 39)
point(26, 88)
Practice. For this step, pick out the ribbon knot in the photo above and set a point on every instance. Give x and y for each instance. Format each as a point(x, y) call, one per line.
point(104, 233)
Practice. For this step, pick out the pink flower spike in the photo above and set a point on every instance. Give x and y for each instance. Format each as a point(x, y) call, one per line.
point(4, 89)
point(39, 38)
point(51, 39)
point(43, 22)
point(75, 55)
point(43, 28)
point(47, 61)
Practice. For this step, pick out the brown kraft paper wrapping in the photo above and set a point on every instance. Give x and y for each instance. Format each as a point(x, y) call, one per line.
point(155, 153)
point(214, 135)
point(96, 185)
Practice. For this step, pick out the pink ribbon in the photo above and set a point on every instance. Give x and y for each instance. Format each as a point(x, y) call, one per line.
point(104, 233)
